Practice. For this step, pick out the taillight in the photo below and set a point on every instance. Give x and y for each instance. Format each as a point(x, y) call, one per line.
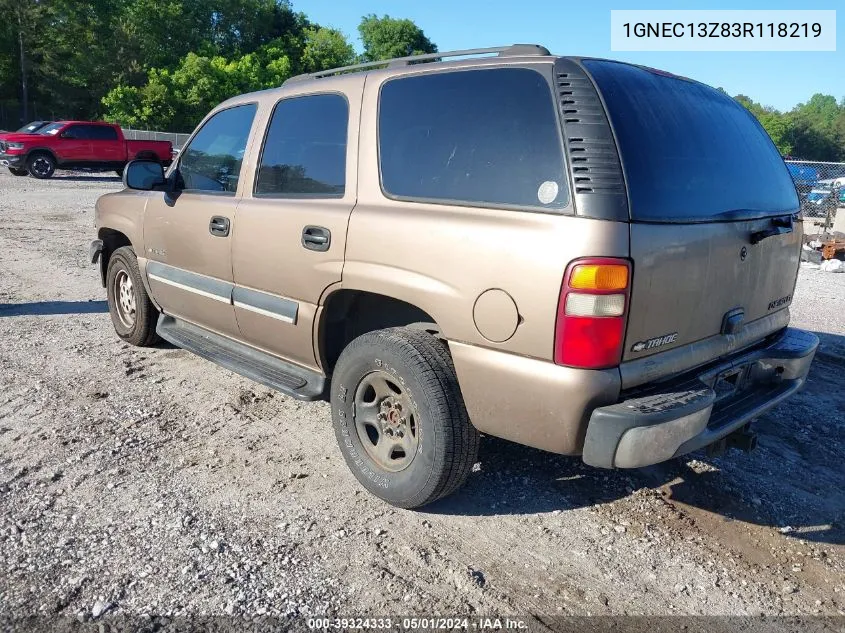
point(591, 313)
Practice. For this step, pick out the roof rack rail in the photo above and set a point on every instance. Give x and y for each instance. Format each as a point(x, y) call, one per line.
point(502, 51)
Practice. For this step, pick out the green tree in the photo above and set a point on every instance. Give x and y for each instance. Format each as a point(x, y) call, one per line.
point(386, 37)
point(814, 130)
point(177, 96)
point(18, 47)
point(779, 128)
point(325, 48)
point(178, 99)
point(75, 61)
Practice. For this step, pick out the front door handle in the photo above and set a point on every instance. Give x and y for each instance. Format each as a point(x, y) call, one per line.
point(219, 226)
point(316, 238)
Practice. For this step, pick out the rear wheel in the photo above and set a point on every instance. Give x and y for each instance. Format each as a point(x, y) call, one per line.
point(41, 165)
point(400, 419)
point(132, 313)
point(16, 171)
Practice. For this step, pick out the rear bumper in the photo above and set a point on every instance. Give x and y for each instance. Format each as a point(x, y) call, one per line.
point(659, 423)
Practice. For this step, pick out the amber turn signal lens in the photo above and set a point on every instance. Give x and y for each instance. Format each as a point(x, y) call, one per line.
point(599, 277)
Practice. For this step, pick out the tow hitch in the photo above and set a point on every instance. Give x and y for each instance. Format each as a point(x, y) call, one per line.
point(743, 439)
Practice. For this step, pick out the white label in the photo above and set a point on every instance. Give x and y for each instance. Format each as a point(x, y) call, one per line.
point(547, 192)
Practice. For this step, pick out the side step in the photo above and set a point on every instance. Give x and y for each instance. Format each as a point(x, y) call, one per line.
point(268, 370)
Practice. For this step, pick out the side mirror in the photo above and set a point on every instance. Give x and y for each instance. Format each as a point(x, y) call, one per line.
point(145, 175)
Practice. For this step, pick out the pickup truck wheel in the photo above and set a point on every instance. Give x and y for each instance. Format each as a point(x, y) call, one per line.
point(15, 171)
point(41, 165)
point(133, 314)
point(400, 419)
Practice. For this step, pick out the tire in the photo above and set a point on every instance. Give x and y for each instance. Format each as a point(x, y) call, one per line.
point(15, 171)
point(132, 313)
point(434, 445)
point(41, 165)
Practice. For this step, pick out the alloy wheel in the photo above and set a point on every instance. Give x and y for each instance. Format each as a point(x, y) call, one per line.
point(40, 166)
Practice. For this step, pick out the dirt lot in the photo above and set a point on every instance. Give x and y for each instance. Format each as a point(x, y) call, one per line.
point(151, 482)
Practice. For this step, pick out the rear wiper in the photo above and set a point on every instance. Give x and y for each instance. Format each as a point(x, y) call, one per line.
point(780, 226)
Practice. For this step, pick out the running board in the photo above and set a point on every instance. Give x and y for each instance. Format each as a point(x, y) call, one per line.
point(247, 361)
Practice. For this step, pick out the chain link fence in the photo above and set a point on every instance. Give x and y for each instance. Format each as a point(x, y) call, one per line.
point(821, 190)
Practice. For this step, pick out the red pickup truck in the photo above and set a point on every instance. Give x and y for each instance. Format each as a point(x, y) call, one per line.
point(75, 145)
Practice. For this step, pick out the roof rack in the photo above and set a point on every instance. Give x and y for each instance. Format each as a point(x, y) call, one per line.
point(514, 50)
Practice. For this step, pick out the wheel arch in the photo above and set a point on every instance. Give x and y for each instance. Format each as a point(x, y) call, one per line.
point(37, 151)
point(112, 240)
point(348, 313)
point(42, 150)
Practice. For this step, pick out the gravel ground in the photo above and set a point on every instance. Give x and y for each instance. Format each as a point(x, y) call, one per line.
point(148, 482)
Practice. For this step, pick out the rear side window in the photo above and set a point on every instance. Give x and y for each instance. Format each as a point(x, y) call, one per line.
point(304, 153)
point(212, 161)
point(102, 133)
point(690, 153)
point(481, 137)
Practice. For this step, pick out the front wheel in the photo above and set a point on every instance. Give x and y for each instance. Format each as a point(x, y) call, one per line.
point(400, 419)
point(132, 313)
point(16, 171)
point(41, 165)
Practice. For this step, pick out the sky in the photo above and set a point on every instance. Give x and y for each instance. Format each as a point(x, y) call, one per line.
point(778, 79)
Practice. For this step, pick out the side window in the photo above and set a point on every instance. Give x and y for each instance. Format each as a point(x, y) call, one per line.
point(304, 154)
point(212, 161)
point(76, 132)
point(481, 137)
point(102, 133)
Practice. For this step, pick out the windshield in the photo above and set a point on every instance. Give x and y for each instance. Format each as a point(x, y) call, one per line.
point(29, 128)
point(51, 129)
point(690, 152)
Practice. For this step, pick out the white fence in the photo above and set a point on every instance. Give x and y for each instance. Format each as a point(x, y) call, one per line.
point(178, 140)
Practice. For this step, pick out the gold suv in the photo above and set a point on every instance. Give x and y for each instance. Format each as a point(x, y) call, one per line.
point(584, 256)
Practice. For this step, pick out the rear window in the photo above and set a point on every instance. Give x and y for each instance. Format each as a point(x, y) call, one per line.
point(690, 153)
point(477, 137)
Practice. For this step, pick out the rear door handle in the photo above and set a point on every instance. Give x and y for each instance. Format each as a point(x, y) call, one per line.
point(780, 226)
point(219, 226)
point(316, 238)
